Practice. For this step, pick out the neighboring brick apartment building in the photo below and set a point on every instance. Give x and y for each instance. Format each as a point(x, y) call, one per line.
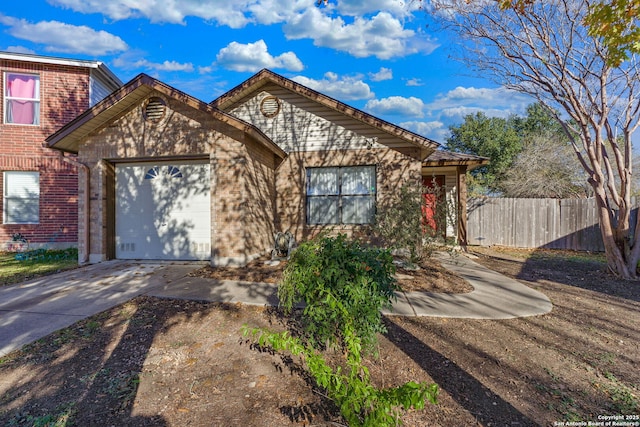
point(39, 189)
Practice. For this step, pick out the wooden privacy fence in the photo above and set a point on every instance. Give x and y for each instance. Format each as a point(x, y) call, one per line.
point(535, 223)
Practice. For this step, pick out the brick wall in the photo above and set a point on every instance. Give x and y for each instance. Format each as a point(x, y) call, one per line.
point(392, 170)
point(243, 201)
point(64, 94)
point(242, 177)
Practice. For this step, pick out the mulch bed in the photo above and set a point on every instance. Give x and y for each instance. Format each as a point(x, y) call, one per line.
point(428, 276)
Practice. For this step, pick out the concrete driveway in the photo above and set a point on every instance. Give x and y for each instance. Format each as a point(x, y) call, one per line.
point(36, 308)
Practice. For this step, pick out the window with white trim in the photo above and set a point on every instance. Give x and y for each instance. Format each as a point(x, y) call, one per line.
point(21, 99)
point(21, 197)
point(341, 195)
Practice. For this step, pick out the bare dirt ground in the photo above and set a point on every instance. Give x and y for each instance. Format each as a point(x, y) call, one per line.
point(178, 363)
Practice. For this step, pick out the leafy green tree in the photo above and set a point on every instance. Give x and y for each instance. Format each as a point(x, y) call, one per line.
point(492, 137)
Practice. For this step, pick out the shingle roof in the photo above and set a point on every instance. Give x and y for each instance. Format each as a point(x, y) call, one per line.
point(449, 158)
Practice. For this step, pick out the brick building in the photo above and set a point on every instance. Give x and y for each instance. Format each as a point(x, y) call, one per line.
point(39, 186)
point(168, 176)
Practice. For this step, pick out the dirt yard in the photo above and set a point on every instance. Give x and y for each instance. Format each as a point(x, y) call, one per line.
point(177, 363)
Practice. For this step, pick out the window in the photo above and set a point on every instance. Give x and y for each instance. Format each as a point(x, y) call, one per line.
point(21, 197)
point(341, 195)
point(21, 99)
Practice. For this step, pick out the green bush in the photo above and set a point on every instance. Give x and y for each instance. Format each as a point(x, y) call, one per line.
point(400, 223)
point(343, 286)
point(340, 282)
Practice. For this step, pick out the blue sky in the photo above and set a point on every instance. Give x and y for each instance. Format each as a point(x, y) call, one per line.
point(382, 56)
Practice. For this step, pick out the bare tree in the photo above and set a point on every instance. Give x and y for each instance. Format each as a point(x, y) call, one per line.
point(546, 167)
point(545, 50)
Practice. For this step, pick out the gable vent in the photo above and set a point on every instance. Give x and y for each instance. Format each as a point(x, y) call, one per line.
point(155, 109)
point(270, 106)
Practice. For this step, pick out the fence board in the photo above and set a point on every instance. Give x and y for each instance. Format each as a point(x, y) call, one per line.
point(536, 223)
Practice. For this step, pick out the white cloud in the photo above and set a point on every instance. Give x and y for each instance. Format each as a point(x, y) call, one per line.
point(164, 66)
point(255, 56)
point(450, 108)
point(482, 98)
point(494, 102)
point(414, 82)
point(229, 13)
point(382, 74)
point(20, 49)
point(435, 130)
point(269, 12)
point(373, 27)
point(341, 88)
point(363, 7)
point(382, 36)
point(396, 105)
point(61, 37)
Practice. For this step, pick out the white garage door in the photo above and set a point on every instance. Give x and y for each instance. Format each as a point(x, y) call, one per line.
point(163, 211)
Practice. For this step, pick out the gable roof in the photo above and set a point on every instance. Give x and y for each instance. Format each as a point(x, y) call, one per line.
point(265, 77)
point(100, 68)
point(119, 102)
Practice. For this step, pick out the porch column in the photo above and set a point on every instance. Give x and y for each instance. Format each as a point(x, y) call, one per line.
point(462, 205)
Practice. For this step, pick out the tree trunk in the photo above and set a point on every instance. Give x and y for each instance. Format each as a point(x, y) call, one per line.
point(613, 248)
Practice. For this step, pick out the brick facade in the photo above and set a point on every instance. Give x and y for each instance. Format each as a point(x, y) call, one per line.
point(256, 189)
point(393, 169)
point(242, 178)
point(64, 94)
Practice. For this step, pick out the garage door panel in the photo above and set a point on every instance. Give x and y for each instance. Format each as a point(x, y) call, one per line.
point(163, 211)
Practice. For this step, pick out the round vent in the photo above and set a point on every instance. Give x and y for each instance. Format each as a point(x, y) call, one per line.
point(270, 106)
point(155, 109)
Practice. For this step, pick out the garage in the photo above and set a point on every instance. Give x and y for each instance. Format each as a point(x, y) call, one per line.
point(163, 210)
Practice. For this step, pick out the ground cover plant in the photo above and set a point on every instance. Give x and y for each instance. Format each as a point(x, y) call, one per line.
point(14, 269)
point(161, 362)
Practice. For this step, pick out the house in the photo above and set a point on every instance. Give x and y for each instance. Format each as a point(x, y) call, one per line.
point(168, 176)
point(39, 186)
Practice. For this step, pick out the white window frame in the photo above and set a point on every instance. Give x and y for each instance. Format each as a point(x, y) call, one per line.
point(6, 99)
point(21, 189)
point(341, 196)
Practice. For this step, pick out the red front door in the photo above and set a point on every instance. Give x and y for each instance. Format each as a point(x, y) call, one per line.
point(433, 196)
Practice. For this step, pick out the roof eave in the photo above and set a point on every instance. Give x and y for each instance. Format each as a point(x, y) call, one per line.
point(90, 122)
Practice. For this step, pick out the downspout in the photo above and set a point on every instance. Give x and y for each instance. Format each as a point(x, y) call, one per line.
point(86, 206)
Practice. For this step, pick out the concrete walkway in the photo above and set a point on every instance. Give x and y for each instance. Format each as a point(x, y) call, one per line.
point(494, 296)
point(36, 308)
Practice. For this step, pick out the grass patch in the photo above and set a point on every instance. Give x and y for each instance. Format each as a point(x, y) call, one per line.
point(62, 417)
point(15, 271)
point(543, 254)
point(623, 399)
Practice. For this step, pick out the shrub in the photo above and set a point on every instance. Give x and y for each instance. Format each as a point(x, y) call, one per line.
point(340, 282)
point(400, 224)
point(344, 286)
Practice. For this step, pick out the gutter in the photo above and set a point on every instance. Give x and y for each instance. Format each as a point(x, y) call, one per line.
point(86, 207)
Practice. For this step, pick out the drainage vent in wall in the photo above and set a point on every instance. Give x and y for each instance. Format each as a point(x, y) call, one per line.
point(200, 247)
point(127, 247)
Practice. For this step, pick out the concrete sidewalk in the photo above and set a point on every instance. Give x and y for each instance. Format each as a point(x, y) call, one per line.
point(495, 296)
point(36, 308)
